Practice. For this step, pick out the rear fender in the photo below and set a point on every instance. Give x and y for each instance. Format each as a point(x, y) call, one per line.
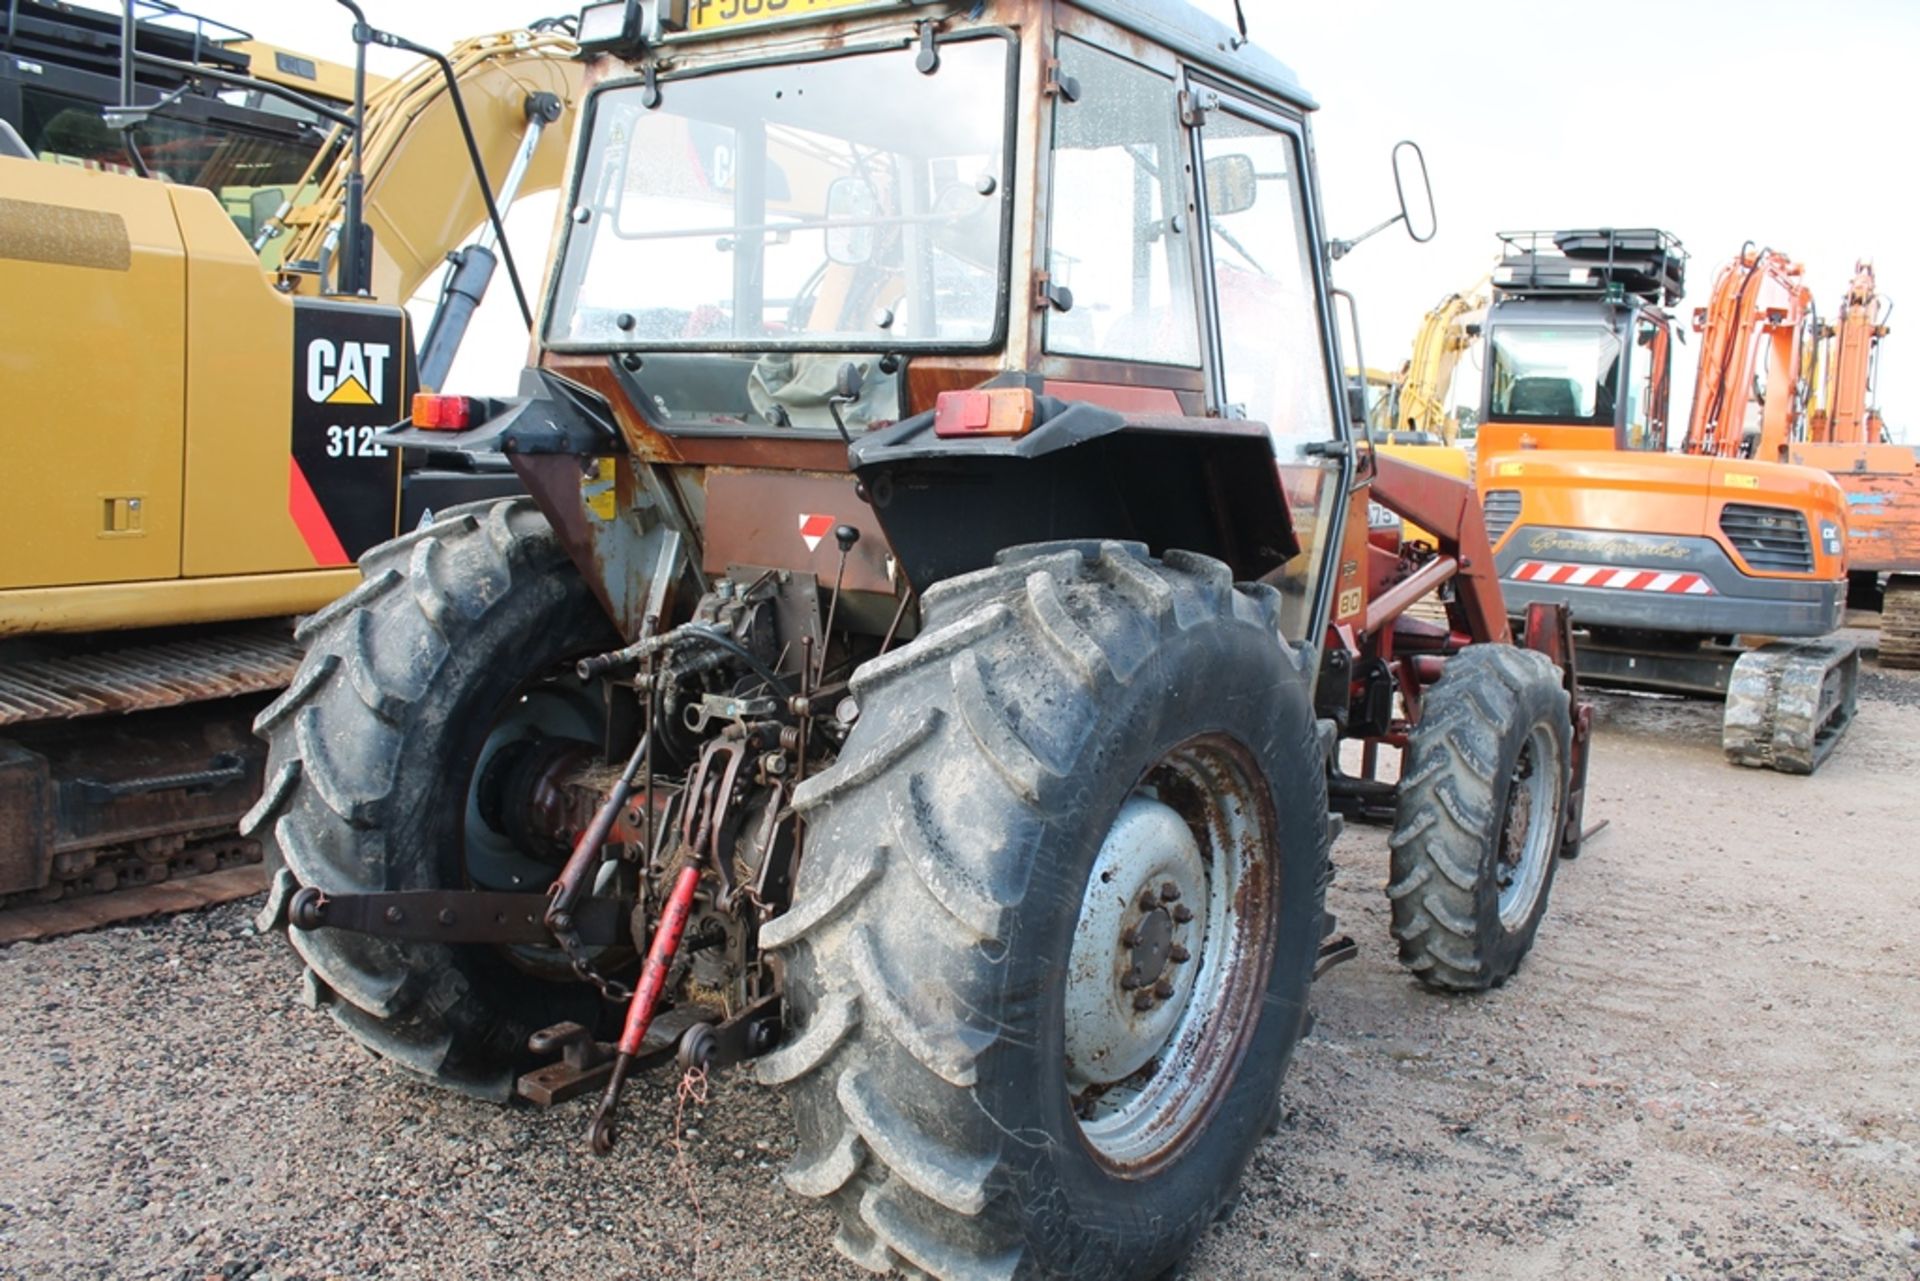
point(619, 519)
point(1205, 485)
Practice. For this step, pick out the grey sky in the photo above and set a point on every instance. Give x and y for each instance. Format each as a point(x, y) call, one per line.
point(1768, 120)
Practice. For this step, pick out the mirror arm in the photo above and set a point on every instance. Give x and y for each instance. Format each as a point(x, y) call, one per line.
point(1338, 249)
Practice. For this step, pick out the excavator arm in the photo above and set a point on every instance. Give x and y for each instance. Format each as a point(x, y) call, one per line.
point(1437, 349)
point(421, 199)
point(1759, 321)
point(1847, 415)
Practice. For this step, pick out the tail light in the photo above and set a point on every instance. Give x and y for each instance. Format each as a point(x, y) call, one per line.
point(983, 411)
point(434, 412)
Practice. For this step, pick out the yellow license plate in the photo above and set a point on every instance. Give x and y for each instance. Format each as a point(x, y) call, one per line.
point(727, 15)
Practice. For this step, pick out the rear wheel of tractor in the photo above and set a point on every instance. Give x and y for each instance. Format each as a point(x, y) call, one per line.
point(1053, 933)
point(441, 673)
point(1483, 797)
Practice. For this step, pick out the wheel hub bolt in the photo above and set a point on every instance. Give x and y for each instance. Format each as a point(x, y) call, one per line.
point(1148, 901)
point(1163, 988)
point(1131, 981)
point(1129, 936)
point(1182, 914)
point(1169, 892)
point(1178, 955)
point(1143, 1001)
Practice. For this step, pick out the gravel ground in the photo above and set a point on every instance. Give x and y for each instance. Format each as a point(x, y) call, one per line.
point(1705, 1069)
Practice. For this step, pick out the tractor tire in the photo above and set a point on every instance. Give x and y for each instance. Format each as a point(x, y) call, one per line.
point(1473, 854)
point(372, 753)
point(1013, 834)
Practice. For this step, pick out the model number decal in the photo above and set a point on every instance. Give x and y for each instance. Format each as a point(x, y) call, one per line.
point(354, 442)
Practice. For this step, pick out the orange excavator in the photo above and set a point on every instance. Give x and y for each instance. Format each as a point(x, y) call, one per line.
point(1846, 437)
point(1675, 564)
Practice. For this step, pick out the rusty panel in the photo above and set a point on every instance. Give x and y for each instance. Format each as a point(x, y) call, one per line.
point(760, 518)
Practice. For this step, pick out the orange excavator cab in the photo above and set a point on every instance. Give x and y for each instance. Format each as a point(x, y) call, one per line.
point(1672, 564)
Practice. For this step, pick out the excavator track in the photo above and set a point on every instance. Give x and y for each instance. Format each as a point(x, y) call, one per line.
point(124, 886)
point(124, 771)
point(1789, 704)
point(1900, 622)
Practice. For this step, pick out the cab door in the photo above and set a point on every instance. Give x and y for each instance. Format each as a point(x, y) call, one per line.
point(1269, 328)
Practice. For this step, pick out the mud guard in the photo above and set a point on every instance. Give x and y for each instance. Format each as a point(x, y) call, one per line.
point(1205, 485)
point(617, 521)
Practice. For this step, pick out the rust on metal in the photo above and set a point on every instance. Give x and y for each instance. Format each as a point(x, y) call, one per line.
point(761, 518)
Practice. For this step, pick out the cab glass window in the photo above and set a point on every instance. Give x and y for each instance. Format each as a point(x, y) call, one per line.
point(1567, 374)
point(1273, 354)
point(1118, 225)
point(851, 202)
point(1647, 402)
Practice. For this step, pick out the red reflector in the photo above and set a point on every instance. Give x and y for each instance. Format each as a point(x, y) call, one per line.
point(988, 411)
point(442, 413)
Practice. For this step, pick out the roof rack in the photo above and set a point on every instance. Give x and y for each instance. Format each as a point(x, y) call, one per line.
point(1643, 262)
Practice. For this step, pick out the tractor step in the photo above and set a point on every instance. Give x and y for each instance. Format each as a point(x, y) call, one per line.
point(1789, 703)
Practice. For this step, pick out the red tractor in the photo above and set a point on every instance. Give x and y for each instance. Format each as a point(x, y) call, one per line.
point(920, 664)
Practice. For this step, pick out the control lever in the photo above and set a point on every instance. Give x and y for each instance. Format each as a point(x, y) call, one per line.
point(847, 384)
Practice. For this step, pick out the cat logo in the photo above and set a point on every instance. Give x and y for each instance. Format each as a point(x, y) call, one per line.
point(347, 373)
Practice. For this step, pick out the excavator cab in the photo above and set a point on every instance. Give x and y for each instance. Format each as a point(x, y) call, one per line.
point(1667, 560)
point(1579, 341)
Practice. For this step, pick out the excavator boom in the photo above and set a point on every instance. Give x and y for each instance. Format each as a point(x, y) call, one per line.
point(1756, 359)
point(422, 199)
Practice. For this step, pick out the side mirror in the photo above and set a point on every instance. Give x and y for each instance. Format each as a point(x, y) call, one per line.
point(1415, 190)
point(1232, 185)
point(1416, 197)
point(851, 200)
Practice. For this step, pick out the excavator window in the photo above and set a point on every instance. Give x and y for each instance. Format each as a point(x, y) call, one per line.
point(233, 163)
point(1563, 374)
point(1647, 403)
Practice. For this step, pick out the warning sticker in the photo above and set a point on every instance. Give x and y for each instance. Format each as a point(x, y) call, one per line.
point(813, 529)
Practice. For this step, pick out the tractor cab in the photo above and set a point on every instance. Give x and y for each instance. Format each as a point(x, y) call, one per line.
point(1579, 341)
point(792, 228)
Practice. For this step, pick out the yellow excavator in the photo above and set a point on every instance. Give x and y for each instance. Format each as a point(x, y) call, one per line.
point(1421, 401)
point(214, 252)
point(1413, 418)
